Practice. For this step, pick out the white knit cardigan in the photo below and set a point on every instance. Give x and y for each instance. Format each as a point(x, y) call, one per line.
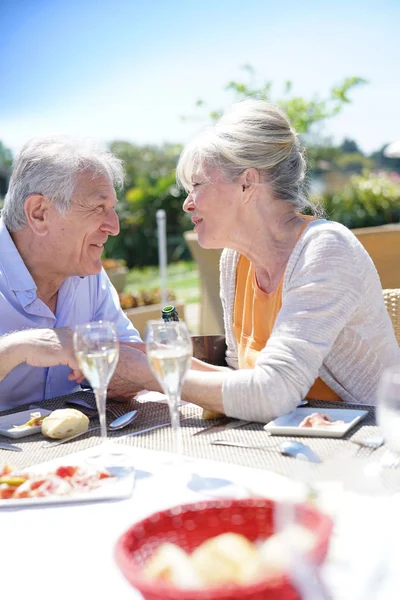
point(333, 324)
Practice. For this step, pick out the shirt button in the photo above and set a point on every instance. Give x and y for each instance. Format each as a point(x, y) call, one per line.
point(30, 294)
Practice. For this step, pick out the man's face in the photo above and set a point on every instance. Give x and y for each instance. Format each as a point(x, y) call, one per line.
point(76, 239)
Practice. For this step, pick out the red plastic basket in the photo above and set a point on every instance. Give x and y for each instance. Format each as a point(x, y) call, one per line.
point(189, 525)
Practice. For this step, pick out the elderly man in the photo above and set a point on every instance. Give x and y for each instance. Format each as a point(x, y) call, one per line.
point(58, 213)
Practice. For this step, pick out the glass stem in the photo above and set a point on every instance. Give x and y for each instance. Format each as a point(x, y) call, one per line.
point(174, 402)
point(101, 397)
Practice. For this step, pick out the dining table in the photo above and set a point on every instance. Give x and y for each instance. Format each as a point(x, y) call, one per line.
point(66, 549)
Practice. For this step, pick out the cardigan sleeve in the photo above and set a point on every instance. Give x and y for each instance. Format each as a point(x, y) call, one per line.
point(322, 288)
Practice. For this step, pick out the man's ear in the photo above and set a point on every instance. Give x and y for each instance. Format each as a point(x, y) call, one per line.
point(36, 212)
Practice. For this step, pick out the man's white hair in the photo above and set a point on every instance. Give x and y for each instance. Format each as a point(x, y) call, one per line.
point(50, 166)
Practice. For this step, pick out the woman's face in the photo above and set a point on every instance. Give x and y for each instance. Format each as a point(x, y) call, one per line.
point(214, 207)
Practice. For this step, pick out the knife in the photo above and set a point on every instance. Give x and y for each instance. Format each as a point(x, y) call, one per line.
point(140, 431)
point(6, 446)
point(160, 426)
point(67, 439)
point(223, 425)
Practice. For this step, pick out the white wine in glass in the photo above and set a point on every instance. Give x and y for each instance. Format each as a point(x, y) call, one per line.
point(169, 352)
point(97, 350)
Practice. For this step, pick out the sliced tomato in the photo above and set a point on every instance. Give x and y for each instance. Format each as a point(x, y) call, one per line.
point(66, 471)
point(6, 493)
point(36, 484)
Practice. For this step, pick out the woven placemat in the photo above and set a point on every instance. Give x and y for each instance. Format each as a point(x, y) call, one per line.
point(334, 452)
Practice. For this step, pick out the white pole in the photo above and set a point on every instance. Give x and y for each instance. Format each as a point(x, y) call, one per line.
point(162, 253)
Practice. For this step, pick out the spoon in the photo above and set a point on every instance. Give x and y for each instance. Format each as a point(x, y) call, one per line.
point(299, 450)
point(123, 421)
point(289, 448)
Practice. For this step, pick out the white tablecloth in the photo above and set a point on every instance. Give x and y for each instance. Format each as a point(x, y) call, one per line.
point(66, 551)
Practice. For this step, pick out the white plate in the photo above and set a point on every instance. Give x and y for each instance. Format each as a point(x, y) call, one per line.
point(115, 488)
point(289, 424)
point(19, 418)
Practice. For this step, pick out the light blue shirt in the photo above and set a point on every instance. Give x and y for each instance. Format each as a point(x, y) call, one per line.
point(80, 300)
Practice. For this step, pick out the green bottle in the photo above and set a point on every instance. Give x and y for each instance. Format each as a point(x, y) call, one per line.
point(169, 313)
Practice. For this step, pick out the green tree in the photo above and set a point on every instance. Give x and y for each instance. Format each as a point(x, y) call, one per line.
point(305, 114)
point(150, 186)
point(349, 146)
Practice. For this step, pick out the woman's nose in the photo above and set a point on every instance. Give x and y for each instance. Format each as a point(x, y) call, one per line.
point(188, 204)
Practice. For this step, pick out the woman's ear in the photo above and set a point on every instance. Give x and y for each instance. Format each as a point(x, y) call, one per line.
point(248, 178)
point(36, 212)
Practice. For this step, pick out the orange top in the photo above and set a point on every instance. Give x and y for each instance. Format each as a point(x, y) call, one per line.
point(254, 317)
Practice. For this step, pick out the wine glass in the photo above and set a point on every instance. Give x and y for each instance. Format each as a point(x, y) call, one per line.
point(169, 351)
point(388, 409)
point(97, 349)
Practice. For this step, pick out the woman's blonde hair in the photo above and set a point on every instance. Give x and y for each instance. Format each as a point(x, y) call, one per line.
point(253, 134)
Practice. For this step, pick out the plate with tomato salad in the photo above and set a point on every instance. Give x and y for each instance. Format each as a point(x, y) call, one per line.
point(61, 484)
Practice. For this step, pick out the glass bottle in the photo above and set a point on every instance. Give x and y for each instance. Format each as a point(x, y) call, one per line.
point(169, 313)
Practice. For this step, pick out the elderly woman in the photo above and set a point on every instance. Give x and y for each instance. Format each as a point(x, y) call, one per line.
point(303, 308)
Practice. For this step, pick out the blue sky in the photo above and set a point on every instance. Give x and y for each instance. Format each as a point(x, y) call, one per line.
point(131, 69)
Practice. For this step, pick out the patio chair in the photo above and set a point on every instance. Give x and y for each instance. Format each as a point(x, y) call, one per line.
point(392, 301)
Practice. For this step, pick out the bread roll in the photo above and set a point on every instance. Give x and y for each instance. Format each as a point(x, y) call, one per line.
point(227, 558)
point(64, 422)
point(171, 564)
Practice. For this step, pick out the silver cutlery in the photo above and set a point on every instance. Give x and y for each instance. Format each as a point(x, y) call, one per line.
point(289, 448)
point(123, 420)
point(12, 447)
point(151, 428)
point(68, 439)
point(299, 450)
point(140, 431)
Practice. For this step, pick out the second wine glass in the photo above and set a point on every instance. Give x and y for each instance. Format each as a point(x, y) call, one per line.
point(169, 352)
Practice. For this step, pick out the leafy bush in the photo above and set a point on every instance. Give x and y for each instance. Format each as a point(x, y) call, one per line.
point(149, 186)
point(367, 200)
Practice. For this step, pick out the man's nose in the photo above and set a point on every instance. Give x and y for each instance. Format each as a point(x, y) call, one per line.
point(111, 223)
point(188, 205)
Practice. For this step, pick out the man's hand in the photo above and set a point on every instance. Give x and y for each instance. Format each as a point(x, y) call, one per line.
point(39, 348)
point(52, 347)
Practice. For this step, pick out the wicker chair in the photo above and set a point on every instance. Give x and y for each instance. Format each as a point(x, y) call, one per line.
point(392, 301)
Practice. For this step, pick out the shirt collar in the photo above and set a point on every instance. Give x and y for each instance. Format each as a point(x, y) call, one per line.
point(12, 266)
